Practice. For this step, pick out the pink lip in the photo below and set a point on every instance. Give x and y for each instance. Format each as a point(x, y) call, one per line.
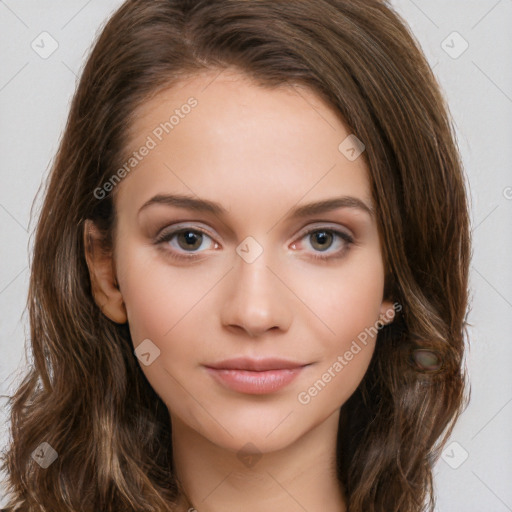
point(255, 376)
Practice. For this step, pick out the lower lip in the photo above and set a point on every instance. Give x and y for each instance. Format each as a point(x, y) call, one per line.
point(255, 383)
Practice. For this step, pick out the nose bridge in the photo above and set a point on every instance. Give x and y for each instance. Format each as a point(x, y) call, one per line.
point(254, 256)
point(254, 277)
point(256, 302)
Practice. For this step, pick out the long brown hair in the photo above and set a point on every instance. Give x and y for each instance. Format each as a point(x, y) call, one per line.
point(86, 395)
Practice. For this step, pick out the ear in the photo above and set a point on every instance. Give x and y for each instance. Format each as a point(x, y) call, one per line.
point(387, 312)
point(101, 266)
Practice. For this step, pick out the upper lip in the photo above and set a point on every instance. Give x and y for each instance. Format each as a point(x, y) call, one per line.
point(256, 365)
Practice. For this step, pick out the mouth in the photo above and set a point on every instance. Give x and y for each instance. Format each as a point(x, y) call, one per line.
point(255, 376)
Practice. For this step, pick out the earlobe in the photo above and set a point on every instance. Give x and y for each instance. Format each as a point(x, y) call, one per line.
point(101, 267)
point(387, 312)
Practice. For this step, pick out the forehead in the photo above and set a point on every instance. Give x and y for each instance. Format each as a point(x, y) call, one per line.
point(240, 138)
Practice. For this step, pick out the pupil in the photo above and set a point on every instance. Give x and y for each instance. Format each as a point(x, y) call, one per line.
point(323, 237)
point(191, 237)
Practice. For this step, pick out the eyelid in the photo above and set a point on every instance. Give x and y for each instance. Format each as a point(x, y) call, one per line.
point(327, 226)
point(196, 226)
point(170, 231)
point(179, 226)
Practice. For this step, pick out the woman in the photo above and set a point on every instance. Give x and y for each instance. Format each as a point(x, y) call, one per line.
point(250, 272)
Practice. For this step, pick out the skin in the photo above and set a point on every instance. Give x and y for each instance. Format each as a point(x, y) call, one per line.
point(259, 153)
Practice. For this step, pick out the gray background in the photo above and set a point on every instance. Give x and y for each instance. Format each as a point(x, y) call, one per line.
point(475, 472)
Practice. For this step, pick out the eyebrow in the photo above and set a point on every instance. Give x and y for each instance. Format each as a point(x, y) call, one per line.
point(307, 210)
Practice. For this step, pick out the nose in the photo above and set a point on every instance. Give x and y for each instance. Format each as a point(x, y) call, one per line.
point(257, 301)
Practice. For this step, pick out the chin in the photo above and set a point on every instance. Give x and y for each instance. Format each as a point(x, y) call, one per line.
point(261, 429)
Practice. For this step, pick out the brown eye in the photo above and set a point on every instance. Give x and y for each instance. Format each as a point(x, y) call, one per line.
point(185, 243)
point(321, 240)
point(189, 240)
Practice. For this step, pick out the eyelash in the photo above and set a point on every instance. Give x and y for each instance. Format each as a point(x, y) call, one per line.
point(168, 236)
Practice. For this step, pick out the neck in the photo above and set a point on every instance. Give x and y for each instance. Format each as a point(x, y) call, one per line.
point(301, 476)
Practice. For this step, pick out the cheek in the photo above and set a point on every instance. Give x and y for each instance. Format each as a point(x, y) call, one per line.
point(157, 296)
point(350, 307)
point(347, 307)
point(334, 382)
point(160, 303)
point(345, 300)
point(167, 306)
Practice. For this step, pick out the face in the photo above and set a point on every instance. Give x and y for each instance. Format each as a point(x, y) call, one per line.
point(241, 276)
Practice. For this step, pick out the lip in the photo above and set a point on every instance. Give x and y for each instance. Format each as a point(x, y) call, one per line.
point(256, 365)
point(255, 376)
